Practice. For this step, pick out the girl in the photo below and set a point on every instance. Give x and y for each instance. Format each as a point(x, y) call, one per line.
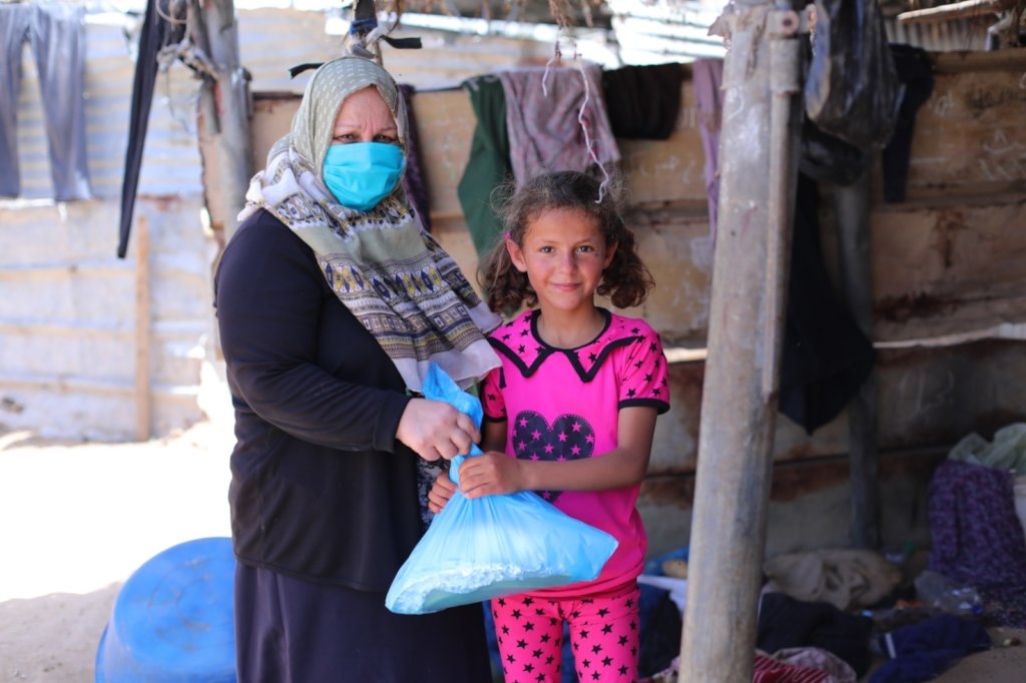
point(570, 415)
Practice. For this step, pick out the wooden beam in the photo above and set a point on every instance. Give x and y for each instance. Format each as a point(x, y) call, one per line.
point(142, 331)
point(739, 399)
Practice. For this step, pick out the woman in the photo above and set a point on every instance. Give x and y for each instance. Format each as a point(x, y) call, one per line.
point(331, 302)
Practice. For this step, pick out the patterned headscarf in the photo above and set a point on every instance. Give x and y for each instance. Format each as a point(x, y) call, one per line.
point(394, 277)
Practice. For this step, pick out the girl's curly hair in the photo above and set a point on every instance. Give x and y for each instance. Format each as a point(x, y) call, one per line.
point(626, 281)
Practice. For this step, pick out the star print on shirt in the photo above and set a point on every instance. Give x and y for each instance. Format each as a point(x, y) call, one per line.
point(569, 437)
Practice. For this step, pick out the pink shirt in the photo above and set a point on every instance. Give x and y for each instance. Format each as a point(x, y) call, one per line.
point(563, 404)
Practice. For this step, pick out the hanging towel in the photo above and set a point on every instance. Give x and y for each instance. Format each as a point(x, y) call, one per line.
point(557, 121)
point(488, 165)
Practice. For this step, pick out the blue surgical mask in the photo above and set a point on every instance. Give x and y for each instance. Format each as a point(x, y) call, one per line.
point(361, 174)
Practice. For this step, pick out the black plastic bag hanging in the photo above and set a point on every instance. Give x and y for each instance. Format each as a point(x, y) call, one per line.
point(826, 158)
point(852, 90)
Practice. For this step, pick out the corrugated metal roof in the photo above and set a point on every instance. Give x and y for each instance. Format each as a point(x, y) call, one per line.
point(948, 36)
point(666, 31)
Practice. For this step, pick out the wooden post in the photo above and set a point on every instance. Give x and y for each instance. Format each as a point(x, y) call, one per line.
point(142, 330)
point(228, 96)
point(856, 276)
point(739, 399)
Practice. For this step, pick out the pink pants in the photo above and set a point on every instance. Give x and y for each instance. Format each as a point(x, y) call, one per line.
point(604, 633)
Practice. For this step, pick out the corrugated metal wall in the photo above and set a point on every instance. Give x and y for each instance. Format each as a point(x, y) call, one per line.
point(67, 303)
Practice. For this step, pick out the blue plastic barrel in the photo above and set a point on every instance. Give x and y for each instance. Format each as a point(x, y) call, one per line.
point(173, 620)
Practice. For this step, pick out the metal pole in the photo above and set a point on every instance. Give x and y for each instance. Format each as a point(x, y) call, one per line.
point(739, 401)
point(852, 204)
point(231, 99)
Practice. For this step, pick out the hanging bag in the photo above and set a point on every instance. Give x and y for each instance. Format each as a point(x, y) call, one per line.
point(852, 91)
point(492, 546)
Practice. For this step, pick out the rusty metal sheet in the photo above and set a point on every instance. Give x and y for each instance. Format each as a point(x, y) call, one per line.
point(928, 398)
point(970, 136)
point(947, 270)
point(936, 396)
point(809, 504)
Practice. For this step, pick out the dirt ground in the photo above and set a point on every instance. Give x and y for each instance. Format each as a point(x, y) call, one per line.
point(76, 519)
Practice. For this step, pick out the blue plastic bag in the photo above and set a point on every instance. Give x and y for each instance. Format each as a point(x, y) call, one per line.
point(488, 547)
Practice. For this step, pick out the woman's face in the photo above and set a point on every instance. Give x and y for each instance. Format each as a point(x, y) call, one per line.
point(364, 117)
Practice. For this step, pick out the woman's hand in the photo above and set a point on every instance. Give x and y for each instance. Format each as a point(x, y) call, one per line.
point(440, 493)
point(435, 429)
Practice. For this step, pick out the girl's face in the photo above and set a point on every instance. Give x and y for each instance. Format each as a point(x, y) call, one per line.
point(563, 255)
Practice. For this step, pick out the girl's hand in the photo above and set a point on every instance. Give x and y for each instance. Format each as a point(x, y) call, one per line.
point(440, 493)
point(489, 474)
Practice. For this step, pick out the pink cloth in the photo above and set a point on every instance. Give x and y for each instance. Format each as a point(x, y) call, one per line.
point(707, 75)
point(562, 404)
point(604, 635)
point(838, 670)
point(765, 669)
point(545, 133)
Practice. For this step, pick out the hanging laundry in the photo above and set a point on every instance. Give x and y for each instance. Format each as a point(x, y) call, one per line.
point(915, 71)
point(707, 78)
point(557, 121)
point(825, 357)
point(56, 36)
point(414, 183)
point(160, 27)
point(643, 102)
point(488, 165)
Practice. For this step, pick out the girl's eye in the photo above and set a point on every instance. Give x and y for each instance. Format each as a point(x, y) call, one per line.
point(586, 248)
point(546, 250)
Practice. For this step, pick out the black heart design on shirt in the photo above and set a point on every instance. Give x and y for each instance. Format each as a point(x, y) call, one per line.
point(569, 438)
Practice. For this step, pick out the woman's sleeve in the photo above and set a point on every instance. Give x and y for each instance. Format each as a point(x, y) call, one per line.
point(268, 295)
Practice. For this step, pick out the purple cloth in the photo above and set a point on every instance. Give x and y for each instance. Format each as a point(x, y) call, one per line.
point(566, 129)
point(414, 183)
point(977, 538)
point(707, 75)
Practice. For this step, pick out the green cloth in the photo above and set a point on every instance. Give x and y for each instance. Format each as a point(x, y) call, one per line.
point(488, 165)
